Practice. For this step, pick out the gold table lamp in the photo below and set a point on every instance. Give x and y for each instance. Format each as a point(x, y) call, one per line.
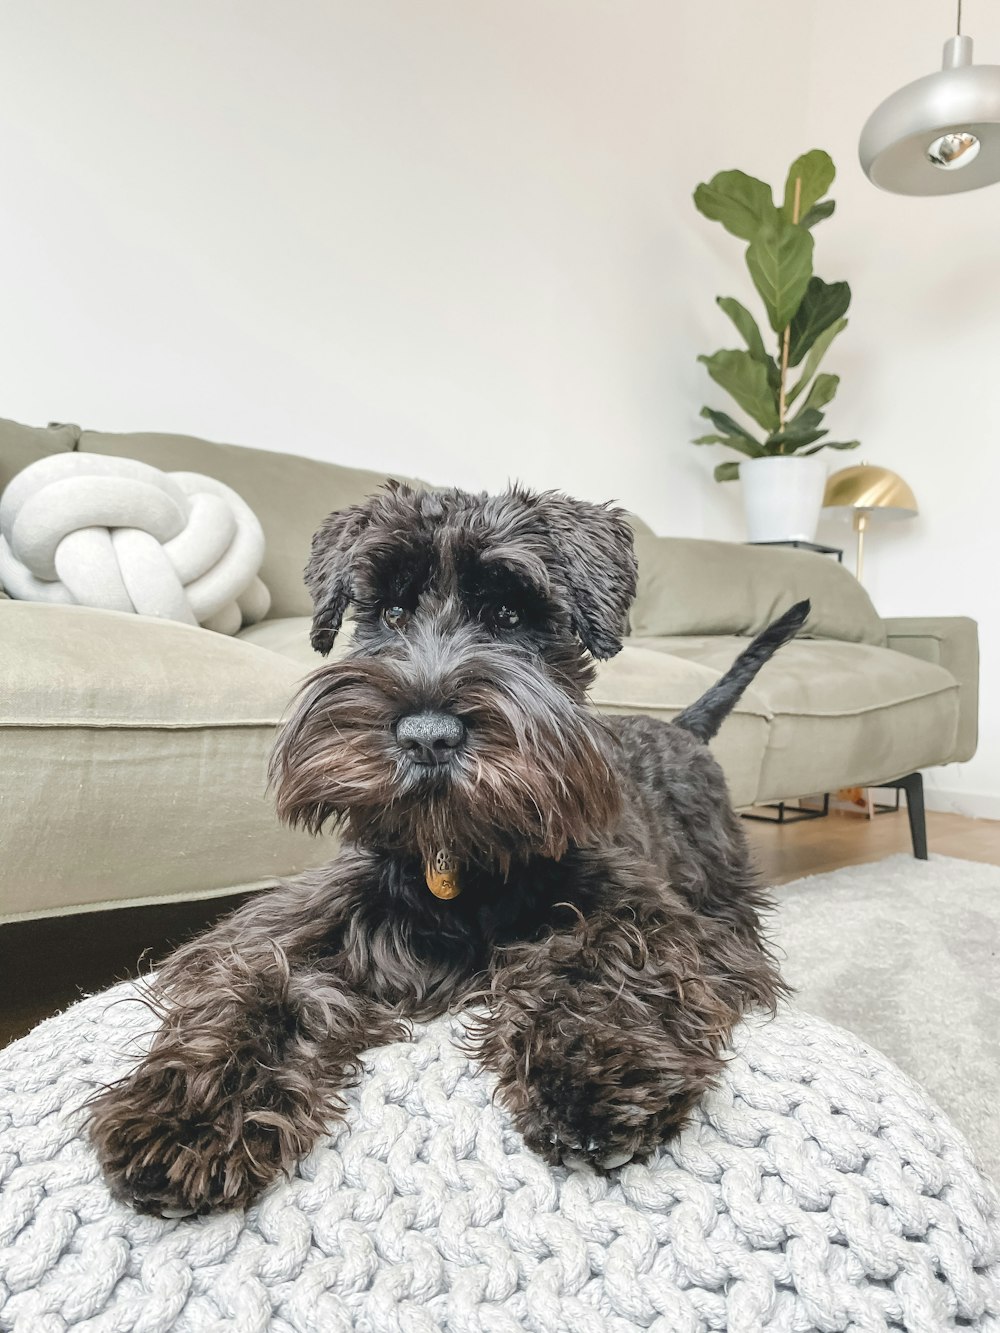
point(867, 492)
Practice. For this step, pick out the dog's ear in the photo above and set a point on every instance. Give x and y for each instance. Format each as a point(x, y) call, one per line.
point(595, 554)
point(329, 571)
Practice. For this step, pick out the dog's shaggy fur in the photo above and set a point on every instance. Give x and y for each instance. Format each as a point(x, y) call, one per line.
point(608, 927)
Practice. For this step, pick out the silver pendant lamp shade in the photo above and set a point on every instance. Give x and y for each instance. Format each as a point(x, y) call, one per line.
point(939, 134)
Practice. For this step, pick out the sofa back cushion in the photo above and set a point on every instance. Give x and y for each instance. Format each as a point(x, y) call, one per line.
point(691, 586)
point(290, 495)
point(22, 445)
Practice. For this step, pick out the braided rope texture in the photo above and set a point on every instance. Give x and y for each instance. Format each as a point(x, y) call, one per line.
point(114, 533)
point(815, 1189)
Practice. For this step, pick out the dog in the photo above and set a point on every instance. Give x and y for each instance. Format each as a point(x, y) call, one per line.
point(580, 882)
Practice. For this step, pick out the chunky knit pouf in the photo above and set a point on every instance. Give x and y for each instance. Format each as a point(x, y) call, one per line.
point(816, 1189)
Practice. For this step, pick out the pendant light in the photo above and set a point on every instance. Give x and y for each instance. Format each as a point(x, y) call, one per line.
point(939, 134)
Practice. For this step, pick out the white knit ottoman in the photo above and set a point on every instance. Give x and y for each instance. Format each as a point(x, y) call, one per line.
point(817, 1188)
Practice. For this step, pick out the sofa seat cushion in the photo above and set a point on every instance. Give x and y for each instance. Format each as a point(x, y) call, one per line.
point(135, 757)
point(641, 680)
point(841, 714)
point(638, 680)
point(289, 636)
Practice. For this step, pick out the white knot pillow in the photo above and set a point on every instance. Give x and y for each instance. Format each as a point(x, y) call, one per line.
point(121, 535)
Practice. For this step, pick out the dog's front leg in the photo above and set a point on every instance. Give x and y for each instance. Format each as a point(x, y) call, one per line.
point(261, 1027)
point(605, 1032)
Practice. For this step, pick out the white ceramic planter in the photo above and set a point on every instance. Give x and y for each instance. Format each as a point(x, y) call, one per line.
point(782, 497)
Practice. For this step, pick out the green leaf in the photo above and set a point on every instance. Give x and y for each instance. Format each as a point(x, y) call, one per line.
point(822, 392)
point(795, 434)
point(749, 449)
point(746, 379)
point(727, 472)
point(816, 171)
point(721, 421)
point(834, 444)
point(805, 420)
point(780, 263)
point(816, 354)
point(822, 304)
point(747, 327)
point(782, 444)
point(742, 203)
point(818, 212)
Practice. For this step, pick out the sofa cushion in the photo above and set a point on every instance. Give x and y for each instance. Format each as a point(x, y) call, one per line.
point(290, 495)
point(842, 714)
point(135, 761)
point(637, 680)
point(23, 445)
point(289, 636)
point(690, 586)
point(20, 446)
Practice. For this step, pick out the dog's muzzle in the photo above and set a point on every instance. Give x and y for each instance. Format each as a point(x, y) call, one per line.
point(430, 737)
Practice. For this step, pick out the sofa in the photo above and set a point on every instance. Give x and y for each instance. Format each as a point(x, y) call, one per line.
point(135, 749)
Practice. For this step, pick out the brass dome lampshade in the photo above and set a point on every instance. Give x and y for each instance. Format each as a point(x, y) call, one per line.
point(865, 492)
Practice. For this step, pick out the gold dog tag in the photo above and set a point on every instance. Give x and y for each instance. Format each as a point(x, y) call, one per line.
point(442, 876)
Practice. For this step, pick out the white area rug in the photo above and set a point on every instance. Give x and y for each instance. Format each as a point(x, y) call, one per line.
point(906, 954)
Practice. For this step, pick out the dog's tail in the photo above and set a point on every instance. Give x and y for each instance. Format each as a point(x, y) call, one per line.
point(706, 715)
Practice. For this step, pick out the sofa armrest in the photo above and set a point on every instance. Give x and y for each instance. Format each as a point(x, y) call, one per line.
point(953, 643)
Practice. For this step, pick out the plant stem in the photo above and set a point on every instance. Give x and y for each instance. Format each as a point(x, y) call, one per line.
point(788, 327)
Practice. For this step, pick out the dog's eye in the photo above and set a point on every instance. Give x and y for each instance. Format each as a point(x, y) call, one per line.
point(506, 617)
point(395, 616)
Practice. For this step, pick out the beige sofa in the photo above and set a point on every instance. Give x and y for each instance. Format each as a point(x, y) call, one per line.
point(135, 749)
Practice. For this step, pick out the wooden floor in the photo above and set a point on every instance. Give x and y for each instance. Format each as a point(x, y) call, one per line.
point(49, 964)
point(847, 839)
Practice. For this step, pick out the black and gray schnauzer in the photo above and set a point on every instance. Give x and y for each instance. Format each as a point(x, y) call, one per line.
point(582, 879)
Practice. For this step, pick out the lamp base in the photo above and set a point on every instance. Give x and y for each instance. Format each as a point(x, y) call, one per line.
point(860, 527)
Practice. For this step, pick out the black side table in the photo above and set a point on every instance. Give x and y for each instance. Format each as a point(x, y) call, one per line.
point(804, 546)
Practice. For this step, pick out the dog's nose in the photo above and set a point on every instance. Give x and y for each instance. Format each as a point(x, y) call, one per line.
point(432, 737)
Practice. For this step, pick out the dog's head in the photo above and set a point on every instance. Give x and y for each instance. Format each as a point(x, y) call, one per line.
point(457, 719)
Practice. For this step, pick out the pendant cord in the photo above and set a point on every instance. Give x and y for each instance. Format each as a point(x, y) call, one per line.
point(959, 31)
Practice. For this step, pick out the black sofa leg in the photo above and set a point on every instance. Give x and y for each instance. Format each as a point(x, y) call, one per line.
point(913, 785)
point(914, 788)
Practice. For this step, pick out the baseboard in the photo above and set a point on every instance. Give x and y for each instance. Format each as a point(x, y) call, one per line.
point(975, 804)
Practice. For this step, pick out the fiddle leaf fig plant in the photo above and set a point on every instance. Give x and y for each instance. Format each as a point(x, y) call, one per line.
point(804, 315)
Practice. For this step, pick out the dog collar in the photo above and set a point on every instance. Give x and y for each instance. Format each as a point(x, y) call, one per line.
point(441, 874)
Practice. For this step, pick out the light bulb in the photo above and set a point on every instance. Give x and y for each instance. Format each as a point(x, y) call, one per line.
point(952, 151)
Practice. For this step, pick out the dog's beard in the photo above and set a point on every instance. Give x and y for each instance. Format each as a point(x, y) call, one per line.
point(532, 777)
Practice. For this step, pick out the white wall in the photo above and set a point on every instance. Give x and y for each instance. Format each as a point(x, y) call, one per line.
point(455, 238)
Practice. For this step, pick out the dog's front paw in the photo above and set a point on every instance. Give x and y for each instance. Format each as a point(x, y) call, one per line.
point(570, 1111)
point(560, 1137)
point(583, 1090)
point(166, 1155)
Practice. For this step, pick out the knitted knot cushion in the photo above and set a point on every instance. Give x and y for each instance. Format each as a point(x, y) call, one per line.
point(816, 1189)
point(119, 534)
